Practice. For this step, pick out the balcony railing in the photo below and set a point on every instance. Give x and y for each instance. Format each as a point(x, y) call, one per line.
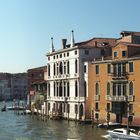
point(97, 97)
point(120, 75)
point(66, 99)
point(129, 98)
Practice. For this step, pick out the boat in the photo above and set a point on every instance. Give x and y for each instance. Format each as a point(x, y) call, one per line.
point(3, 109)
point(16, 108)
point(123, 134)
point(110, 125)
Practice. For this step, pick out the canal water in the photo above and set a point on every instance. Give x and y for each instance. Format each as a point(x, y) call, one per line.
point(24, 127)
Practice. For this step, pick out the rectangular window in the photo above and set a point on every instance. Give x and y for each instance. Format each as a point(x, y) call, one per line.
point(123, 53)
point(108, 106)
point(131, 68)
point(109, 68)
point(96, 106)
point(114, 89)
point(85, 69)
point(115, 54)
point(97, 69)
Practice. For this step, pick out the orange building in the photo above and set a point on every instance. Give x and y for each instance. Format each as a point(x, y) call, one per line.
point(113, 82)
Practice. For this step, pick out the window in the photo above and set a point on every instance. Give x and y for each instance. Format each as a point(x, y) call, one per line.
point(86, 52)
point(48, 69)
point(68, 67)
point(131, 108)
point(97, 69)
point(119, 89)
point(109, 68)
point(131, 68)
point(114, 89)
point(85, 89)
point(96, 106)
point(85, 69)
point(97, 89)
point(131, 88)
point(108, 88)
point(124, 89)
point(75, 52)
point(60, 55)
point(68, 89)
point(54, 69)
point(61, 68)
point(108, 106)
point(76, 109)
point(54, 57)
point(54, 88)
point(48, 58)
point(67, 54)
point(115, 54)
point(123, 53)
point(75, 66)
point(48, 89)
point(96, 116)
point(64, 89)
point(68, 108)
point(76, 89)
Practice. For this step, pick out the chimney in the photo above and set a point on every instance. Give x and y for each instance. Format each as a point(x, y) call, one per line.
point(64, 41)
point(95, 43)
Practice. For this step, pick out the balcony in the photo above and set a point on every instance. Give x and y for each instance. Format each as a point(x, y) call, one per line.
point(131, 98)
point(66, 99)
point(97, 97)
point(120, 76)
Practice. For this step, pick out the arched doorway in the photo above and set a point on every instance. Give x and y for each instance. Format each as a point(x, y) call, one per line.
point(81, 111)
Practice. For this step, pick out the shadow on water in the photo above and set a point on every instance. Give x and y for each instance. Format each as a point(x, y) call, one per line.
point(24, 127)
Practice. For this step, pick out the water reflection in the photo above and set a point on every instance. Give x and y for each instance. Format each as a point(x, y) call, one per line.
point(24, 127)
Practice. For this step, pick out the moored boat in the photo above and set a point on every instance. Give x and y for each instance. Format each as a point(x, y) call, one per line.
point(122, 133)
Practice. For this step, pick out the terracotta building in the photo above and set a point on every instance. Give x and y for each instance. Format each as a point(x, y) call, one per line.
point(36, 83)
point(113, 82)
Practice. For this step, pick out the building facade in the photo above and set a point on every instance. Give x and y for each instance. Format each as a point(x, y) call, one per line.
point(113, 82)
point(37, 87)
point(67, 85)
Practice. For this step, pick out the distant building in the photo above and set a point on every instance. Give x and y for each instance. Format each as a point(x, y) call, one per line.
point(36, 83)
point(13, 86)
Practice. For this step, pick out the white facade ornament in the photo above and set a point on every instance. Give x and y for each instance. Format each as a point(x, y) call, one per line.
point(52, 46)
point(72, 43)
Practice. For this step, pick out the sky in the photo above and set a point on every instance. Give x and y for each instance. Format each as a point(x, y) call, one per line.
point(26, 27)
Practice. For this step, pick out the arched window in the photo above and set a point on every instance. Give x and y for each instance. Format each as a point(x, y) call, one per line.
point(76, 66)
point(54, 69)
point(76, 89)
point(54, 88)
point(68, 89)
point(61, 68)
point(68, 67)
point(97, 89)
point(108, 88)
point(60, 89)
point(85, 89)
point(48, 89)
point(131, 88)
point(48, 69)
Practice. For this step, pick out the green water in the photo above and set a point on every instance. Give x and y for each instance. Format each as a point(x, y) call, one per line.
point(24, 127)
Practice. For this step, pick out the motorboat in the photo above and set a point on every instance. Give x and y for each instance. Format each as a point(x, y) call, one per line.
point(124, 134)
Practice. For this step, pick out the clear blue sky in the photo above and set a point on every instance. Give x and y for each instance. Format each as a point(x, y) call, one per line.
point(26, 26)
